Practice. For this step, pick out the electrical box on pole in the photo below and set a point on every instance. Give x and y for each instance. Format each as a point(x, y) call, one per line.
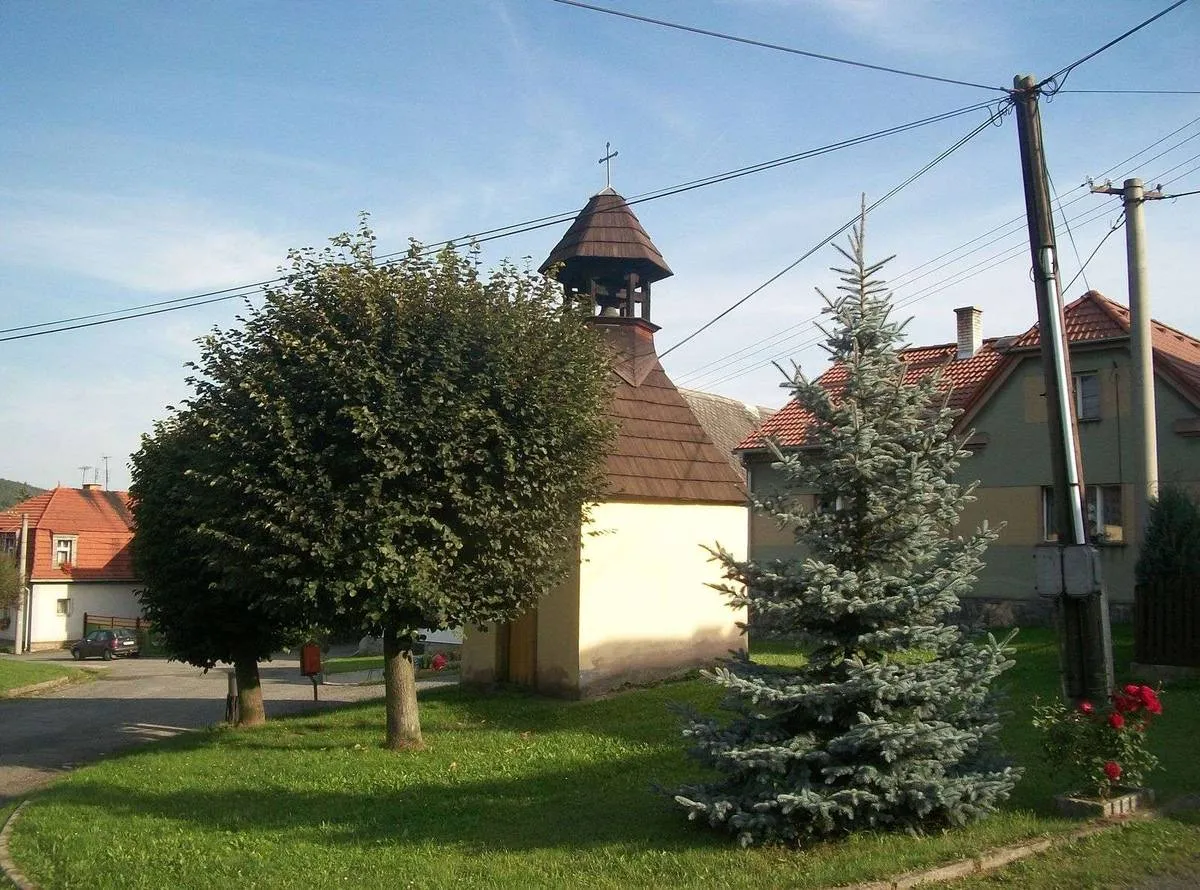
point(1068, 571)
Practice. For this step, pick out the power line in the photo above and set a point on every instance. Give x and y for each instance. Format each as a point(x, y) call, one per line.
point(1137, 92)
point(775, 46)
point(254, 289)
point(906, 278)
point(896, 190)
point(1117, 225)
point(1182, 194)
point(744, 360)
point(1065, 72)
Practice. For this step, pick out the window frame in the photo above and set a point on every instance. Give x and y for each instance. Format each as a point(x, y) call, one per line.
point(1080, 400)
point(72, 549)
point(64, 606)
point(1099, 498)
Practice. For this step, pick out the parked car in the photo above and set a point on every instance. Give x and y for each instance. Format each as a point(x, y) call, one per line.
point(106, 644)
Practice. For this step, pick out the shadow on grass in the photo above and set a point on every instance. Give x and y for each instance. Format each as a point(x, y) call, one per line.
point(578, 807)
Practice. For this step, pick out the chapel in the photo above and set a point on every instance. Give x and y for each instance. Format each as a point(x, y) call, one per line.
point(637, 605)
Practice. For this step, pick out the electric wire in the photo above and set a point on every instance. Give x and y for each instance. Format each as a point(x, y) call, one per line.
point(946, 259)
point(775, 46)
point(1066, 71)
point(844, 227)
point(1137, 92)
point(256, 288)
point(746, 360)
point(1117, 225)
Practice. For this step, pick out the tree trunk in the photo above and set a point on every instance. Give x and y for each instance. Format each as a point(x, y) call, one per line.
point(250, 700)
point(400, 690)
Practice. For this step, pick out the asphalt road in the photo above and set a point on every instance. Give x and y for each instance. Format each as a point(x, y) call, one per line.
point(134, 701)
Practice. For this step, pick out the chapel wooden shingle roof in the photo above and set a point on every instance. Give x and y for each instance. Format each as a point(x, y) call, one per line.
point(661, 452)
point(607, 237)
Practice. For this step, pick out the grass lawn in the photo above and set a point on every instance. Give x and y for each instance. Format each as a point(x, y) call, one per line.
point(518, 791)
point(15, 673)
point(353, 663)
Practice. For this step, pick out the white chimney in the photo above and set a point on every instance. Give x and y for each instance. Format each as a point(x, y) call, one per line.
point(970, 330)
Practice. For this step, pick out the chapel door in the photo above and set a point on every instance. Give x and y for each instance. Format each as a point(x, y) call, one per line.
point(522, 649)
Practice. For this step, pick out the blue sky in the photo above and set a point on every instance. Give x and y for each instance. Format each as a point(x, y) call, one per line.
point(155, 150)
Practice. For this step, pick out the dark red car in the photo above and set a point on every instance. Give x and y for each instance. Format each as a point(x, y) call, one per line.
point(106, 644)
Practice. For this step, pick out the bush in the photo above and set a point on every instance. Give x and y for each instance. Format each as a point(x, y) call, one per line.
point(1171, 550)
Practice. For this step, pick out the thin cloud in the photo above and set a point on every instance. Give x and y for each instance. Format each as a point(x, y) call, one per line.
point(160, 243)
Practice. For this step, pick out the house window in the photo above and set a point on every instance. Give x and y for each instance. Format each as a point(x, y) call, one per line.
point(1086, 388)
point(64, 550)
point(1104, 519)
point(8, 542)
point(63, 606)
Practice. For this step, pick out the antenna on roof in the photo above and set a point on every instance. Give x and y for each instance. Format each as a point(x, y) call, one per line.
point(105, 457)
point(83, 474)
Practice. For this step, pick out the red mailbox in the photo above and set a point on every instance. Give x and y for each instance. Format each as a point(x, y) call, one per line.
point(310, 659)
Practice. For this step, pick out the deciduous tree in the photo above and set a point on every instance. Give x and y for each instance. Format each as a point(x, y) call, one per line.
point(416, 442)
point(208, 596)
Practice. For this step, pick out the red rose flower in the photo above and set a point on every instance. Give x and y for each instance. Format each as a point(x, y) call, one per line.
point(1149, 698)
point(1112, 770)
point(438, 662)
point(1115, 720)
point(1133, 689)
point(1086, 707)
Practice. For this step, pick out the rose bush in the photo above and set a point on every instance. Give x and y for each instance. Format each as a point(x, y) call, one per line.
point(1099, 748)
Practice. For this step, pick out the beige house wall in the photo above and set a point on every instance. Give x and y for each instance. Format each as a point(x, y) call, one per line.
point(645, 610)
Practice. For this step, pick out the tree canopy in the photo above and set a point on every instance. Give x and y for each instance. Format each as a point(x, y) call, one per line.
point(204, 594)
point(410, 444)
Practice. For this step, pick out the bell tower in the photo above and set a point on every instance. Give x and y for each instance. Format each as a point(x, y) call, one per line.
point(606, 261)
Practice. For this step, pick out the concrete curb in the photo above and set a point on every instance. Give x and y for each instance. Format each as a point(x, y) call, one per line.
point(989, 860)
point(6, 864)
point(34, 688)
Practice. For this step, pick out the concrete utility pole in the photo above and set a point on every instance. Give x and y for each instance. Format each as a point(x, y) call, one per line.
point(24, 606)
point(1134, 195)
point(1069, 570)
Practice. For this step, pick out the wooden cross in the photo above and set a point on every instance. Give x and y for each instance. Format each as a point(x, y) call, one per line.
point(609, 154)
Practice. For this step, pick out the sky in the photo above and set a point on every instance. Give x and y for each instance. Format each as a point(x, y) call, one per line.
point(152, 150)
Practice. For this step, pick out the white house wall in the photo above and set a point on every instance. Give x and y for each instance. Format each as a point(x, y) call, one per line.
point(51, 629)
point(645, 608)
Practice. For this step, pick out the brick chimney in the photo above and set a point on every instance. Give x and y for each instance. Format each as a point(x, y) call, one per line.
point(970, 330)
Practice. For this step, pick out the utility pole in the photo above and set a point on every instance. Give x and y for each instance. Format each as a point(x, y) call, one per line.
point(1068, 571)
point(1133, 196)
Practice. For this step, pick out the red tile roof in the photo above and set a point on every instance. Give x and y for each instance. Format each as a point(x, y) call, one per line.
point(1094, 317)
point(1090, 319)
point(100, 521)
point(962, 378)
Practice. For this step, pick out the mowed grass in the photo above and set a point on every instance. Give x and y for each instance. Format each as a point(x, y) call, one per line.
point(352, 663)
point(514, 791)
point(15, 673)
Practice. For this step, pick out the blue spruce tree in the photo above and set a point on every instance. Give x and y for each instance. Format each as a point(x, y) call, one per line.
point(890, 723)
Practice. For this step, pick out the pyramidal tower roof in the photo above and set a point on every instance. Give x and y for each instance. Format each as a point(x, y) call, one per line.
point(605, 234)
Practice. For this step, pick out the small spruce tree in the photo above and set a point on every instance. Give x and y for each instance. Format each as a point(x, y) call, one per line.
point(890, 723)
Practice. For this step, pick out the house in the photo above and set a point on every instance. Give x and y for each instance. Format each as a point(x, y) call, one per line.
point(637, 605)
point(997, 383)
point(77, 561)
